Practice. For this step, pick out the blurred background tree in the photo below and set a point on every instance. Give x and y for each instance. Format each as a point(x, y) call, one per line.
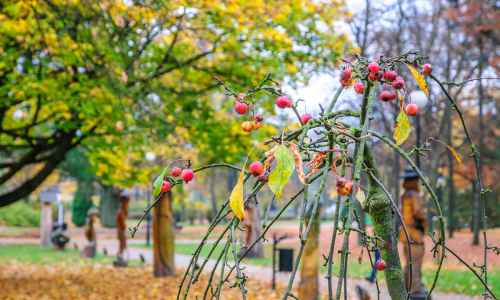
point(92, 73)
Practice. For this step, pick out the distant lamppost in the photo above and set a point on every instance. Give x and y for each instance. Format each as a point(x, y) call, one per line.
point(420, 99)
point(150, 156)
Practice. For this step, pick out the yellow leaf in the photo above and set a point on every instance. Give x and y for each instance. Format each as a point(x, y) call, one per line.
point(419, 78)
point(403, 128)
point(236, 201)
point(360, 195)
point(455, 153)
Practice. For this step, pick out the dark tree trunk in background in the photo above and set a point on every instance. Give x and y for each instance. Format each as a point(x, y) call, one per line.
point(108, 206)
point(477, 207)
point(213, 195)
point(451, 171)
point(163, 238)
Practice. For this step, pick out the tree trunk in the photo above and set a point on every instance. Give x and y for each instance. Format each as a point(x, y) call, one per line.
point(108, 207)
point(477, 207)
point(253, 229)
point(379, 207)
point(309, 268)
point(213, 196)
point(163, 238)
point(451, 183)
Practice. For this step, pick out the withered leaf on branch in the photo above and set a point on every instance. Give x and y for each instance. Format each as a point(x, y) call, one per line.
point(298, 162)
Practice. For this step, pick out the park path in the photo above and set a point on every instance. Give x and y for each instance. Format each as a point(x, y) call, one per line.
point(261, 273)
point(258, 273)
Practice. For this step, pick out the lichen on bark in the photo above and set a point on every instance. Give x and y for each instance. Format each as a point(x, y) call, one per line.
point(379, 208)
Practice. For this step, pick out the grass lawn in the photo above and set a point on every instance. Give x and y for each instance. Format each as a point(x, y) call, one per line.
point(450, 281)
point(46, 256)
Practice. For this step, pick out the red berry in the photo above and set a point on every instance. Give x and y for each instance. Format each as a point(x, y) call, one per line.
point(427, 69)
point(346, 74)
point(387, 95)
point(305, 118)
point(256, 168)
point(359, 87)
point(373, 67)
point(411, 109)
point(166, 186)
point(390, 75)
point(176, 171)
point(399, 83)
point(283, 102)
point(258, 118)
point(241, 107)
point(373, 76)
point(187, 175)
point(380, 265)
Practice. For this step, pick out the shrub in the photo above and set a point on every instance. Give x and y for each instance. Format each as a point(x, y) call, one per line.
point(23, 214)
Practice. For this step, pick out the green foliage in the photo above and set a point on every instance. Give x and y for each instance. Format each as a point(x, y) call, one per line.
point(158, 182)
point(81, 203)
point(20, 214)
point(128, 76)
point(108, 207)
point(280, 175)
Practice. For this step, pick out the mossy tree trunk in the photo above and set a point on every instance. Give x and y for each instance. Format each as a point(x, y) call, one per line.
point(163, 237)
point(378, 205)
point(309, 268)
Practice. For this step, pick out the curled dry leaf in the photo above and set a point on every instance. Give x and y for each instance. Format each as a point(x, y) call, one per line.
point(315, 164)
point(269, 157)
point(298, 162)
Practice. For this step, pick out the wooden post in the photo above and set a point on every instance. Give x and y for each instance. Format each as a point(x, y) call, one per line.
point(45, 224)
point(163, 238)
point(309, 267)
point(253, 229)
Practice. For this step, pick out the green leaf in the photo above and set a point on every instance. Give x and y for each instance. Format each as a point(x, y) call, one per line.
point(236, 201)
point(403, 128)
point(158, 182)
point(285, 164)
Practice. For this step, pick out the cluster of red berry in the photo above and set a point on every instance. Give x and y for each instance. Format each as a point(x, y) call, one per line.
point(392, 83)
point(186, 174)
point(242, 108)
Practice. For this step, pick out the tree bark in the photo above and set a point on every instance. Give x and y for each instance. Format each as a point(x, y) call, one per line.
point(253, 229)
point(309, 268)
point(163, 238)
point(379, 207)
point(477, 207)
point(213, 196)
